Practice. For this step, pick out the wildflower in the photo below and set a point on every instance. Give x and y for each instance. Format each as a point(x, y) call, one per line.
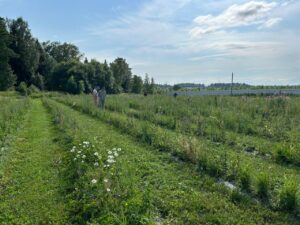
point(79, 152)
point(72, 150)
point(114, 149)
point(94, 181)
point(82, 161)
point(116, 154)
point(83, 156)
point(106, 180)
point(2, 149)
point(111, 161)
point(109, 152)
point(108, 189)
point(119, 149)
point(96, 154)
point(86, 142)
point(96, 164)
point(111, 157)
point(75, 159)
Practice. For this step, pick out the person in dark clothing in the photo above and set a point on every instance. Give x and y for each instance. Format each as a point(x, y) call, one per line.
point(101, 98)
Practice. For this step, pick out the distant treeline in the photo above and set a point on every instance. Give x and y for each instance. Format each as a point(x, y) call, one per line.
point(224, 86)
point(54, 66)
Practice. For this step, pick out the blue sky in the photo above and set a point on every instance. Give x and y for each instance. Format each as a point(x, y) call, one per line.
point(177, 40)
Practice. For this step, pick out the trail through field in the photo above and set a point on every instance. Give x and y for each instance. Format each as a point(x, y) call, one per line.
point(30, 183)
point(178, 193)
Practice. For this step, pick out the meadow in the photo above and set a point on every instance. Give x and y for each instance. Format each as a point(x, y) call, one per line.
point(149, 160)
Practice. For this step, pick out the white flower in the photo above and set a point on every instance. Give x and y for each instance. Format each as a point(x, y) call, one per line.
point(72, 150)
point(75, 159)
point(96, 164)
point(93, 146)
point(114, 149)
point(106, 180)
point(82, 161)
point(94, 181)
point(107, 189)
point(86, 142)
point(110, 152)
point(79, 152)
point(96, 154)
point(83, 156)
point(116, 154)
point(119, 149)
point(111, 161)
point(111, 157)
point(2, 149)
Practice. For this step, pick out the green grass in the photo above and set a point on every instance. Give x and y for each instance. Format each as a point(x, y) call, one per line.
point(152, 186)
point(214, 159)
point(30, 190)
point(61, 163)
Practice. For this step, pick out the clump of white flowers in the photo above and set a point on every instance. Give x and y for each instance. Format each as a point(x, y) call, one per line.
point(88, 154)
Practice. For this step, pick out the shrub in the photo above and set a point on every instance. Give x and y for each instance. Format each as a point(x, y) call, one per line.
point(288, 196)
point(22, 89)
point(263, 186)
point(245, 180)
point(283, 154)
point(33, 89)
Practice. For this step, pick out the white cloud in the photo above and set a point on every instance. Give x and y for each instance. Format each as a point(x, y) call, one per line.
point(271, 22)
point(253, 12)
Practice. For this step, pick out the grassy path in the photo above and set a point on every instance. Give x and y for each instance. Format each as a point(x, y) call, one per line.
point(30, 182)
point(177, 192)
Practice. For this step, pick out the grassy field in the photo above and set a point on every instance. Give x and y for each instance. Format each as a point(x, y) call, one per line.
point(149, 160)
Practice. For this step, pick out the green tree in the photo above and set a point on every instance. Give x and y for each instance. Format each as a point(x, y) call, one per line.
point(7, 77)
point(24, 45)
point(137, 84)
point(72, 86)
point(122, 74)
point(62, 52)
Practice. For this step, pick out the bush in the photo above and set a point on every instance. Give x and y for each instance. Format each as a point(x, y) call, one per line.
point(263, 186)
point(33, 89)
point(22, 89)
point(283, 154)
point(245, 180)
point(288, 197)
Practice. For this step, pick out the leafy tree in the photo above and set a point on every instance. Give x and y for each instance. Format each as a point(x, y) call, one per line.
point(108, 78)
point(137, 84)
point(45, 68)
point(24, 45)
point(62, 52)
point(176, 87)
point(122, 74)
point(152, 86)
point(7, 77)
point(72, 86)
point(146, 84)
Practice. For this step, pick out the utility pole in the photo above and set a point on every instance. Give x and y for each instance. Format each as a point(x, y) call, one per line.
point(231, 83)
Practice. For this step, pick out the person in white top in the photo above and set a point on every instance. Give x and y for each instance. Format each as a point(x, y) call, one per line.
point(95, 96)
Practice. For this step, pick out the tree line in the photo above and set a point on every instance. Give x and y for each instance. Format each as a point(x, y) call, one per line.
point(54, 66)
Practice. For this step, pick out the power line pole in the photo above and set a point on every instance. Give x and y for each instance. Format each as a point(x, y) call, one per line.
point(231, 83)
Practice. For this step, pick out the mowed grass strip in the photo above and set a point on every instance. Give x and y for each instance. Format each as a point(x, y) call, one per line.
point(177, 193)
point(30, 190)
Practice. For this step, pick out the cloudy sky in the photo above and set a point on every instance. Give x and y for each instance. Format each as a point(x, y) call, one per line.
point(177, 40)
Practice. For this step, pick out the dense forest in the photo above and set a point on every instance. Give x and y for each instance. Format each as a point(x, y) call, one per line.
point(25, 62)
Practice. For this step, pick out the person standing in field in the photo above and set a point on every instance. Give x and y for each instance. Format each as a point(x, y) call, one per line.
point(101, 98)
point(95, 95)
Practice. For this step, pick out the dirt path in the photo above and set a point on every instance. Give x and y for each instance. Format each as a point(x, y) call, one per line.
point(30, 183)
